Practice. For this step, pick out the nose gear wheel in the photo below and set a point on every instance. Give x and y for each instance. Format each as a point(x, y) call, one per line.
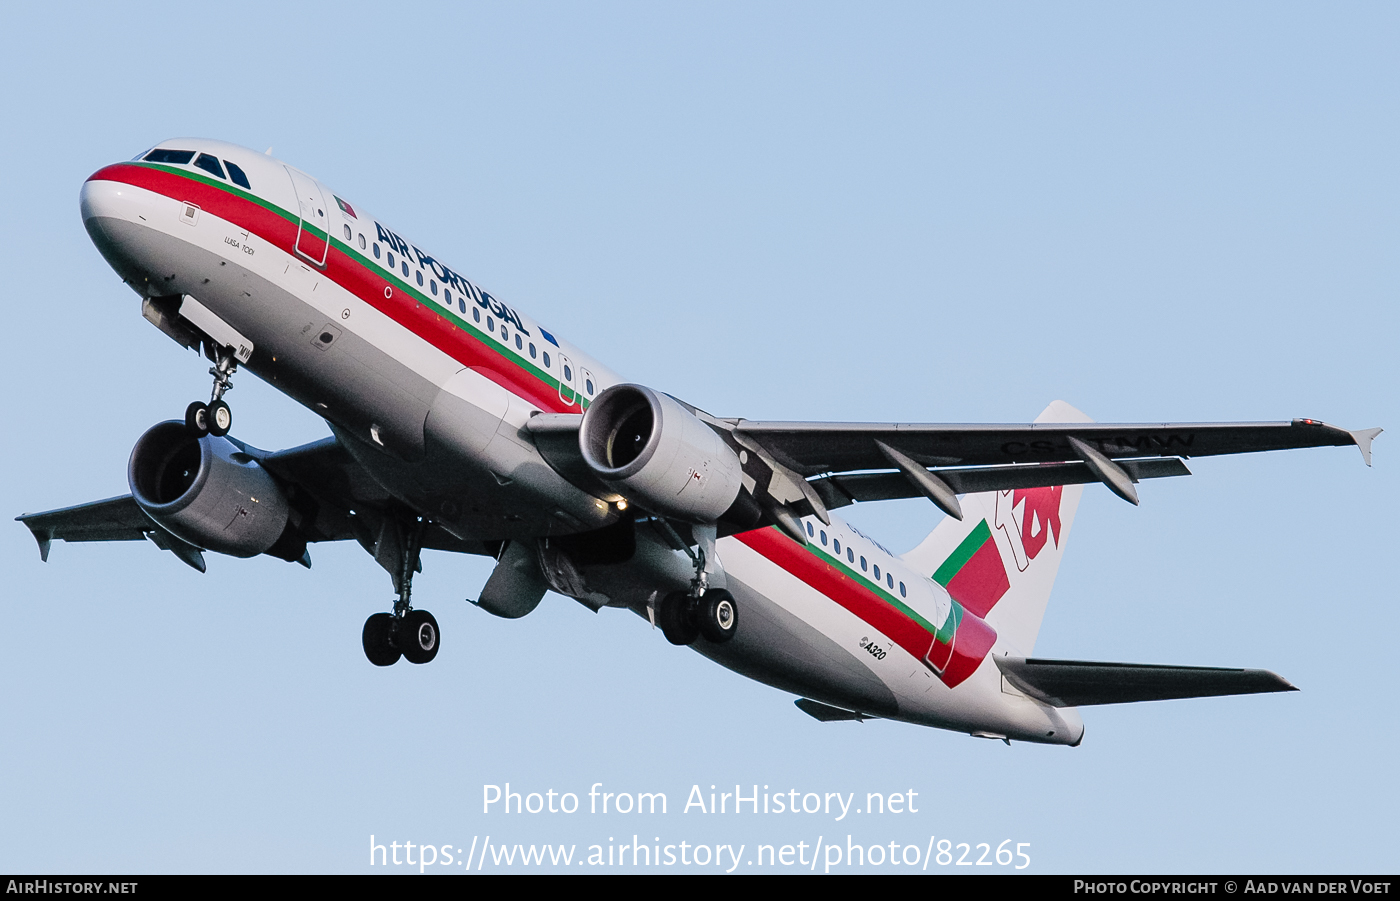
point(214, 418)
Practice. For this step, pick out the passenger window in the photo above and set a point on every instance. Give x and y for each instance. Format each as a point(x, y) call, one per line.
point(462, 305)
point(181, 157)
point(902, 592)
point(568, 373)
point(490, 325)
point(362, 242)
point(836, 542)
point(810, 531)
point(209, 164)
point(546, 360)
point(862, 564)
point(432, 283)
point(823, 537)
point(420, 276)
point(447, 297)
point(889, 579)
point(519, 345)
point(532, 350)
point(404, 266)
point(505, 334)
point(391, 259)
point(588, 386)
point(850, 555)
point(348, 234)
point(239, 178)
point(476, 314)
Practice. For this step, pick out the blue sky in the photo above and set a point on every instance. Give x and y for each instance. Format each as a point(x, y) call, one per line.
point(784, 211)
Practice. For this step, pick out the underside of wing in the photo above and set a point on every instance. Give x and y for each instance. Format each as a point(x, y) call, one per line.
point(115, 519)
point(843, 489)
point(1081, 683)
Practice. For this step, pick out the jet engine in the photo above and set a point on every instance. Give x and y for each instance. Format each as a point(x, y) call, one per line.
point(207, 492)
point(649, 448)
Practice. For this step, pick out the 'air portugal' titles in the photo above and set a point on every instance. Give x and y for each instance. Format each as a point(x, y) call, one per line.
point(452, 279)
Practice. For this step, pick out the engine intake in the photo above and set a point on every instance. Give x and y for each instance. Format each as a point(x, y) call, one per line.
point(207, 492)
point(648, 447)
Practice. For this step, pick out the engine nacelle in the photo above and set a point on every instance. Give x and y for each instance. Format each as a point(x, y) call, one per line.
point(651, 449)
point(207, 492)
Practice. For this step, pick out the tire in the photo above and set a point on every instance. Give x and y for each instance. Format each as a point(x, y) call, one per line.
point(418, 637)
point(676, 618)
point(220, 419)
point(718, 616)
point(197, 419)
point(376, 640)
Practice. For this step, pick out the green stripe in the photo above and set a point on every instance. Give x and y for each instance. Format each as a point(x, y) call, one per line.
point(950, 625)
point(511, 357)
point(979, 536)
point(879, 590)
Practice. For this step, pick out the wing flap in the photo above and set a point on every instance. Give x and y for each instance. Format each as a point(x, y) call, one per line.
point(841, 490)
point(1082, 683)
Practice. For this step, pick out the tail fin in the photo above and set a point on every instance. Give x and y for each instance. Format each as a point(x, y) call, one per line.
point(1000, 561)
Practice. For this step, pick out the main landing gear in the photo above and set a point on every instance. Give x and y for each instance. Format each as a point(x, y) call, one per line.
point(686, 615)
point(408, 633)
point(214, 418)
point(683, 617)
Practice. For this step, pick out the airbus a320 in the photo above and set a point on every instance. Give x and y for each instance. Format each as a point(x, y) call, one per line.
point(462, 424)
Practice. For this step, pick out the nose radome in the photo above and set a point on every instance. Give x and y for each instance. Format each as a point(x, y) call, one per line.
point(99, 199)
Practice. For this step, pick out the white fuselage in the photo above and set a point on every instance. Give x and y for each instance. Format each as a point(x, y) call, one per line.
point(429, 381)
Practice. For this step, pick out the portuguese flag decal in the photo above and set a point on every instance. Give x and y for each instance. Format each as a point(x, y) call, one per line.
point(974, 573)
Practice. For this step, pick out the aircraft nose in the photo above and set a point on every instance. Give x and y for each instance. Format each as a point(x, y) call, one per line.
point(100, 199)
point(113, 213)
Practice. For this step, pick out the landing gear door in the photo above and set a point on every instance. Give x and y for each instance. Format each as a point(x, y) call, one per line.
point(313, 225)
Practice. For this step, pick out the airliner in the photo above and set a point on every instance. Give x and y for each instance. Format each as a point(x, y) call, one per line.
point(460, 423)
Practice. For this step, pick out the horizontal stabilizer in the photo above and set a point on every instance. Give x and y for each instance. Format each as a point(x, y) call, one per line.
point(1081, 683)
point(828, 714)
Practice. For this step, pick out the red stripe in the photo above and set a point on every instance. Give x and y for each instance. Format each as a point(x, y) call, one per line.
point(982, 580)
point(974, 637)
point(365, 283)
point(841, 588)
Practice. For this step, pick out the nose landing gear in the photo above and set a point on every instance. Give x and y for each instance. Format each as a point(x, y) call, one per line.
point(214, 418)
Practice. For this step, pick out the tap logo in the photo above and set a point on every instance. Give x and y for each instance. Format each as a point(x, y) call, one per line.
point(1029, 518)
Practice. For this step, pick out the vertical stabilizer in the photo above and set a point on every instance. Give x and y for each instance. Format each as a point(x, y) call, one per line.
point(1000, 562)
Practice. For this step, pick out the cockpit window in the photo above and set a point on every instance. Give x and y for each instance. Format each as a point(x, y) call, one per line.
point(210, 164)
point(180, 157)
point(237, 175)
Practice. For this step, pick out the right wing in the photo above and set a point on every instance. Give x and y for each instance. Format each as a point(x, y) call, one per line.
point(334, 497)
